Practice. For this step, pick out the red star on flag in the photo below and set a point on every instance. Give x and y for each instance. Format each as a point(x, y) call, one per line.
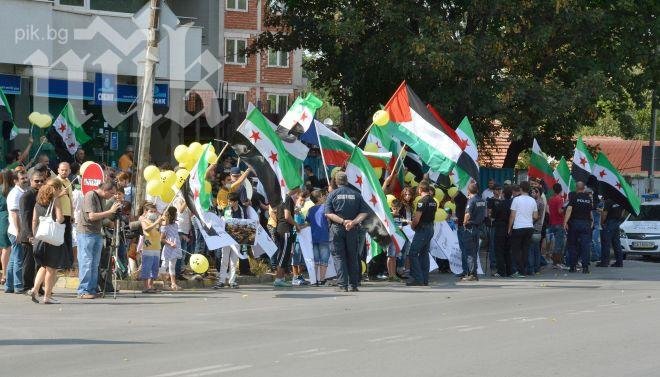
point(196, 194)
point(63, 127)
point(273, 157)
point(373, 199)
point(255, 136)
point(451, 174)
point(282, 183)
point(358, 180)
point(72, 146)
point(303, 116)
point(602, 173)
point(465, 142)
point(368, 245)
point(583, 161)
point(618, 185)
point(564, 195)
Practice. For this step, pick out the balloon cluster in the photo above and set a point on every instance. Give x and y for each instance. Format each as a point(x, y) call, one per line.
point(164, 184)
point(40, 120)
point(187, 156)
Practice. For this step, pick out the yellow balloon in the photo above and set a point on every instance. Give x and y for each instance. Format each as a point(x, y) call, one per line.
point(188, 165)
point(381, 118)
point(414, 183)
point(211, 157)
point(409, 177)
point(416, 201)
point(211, 148)
point(167, 195)
point(168, 178)
point(379, 172)
point(181, 176)
point(439, 194)
point(84, 166)
point(371, 147)
point(451, 206)
point(453, 191)
point(154, 187)
point(364, 267)
point(44, 121)
point(180, 153)
point(33, 117)
point(390, 198)
point(151, 172)
point(195, 150)
point(440, 215)
point(198, 263)
point(207, 186)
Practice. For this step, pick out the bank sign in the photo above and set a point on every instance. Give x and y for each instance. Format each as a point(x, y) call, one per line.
point(107, 90)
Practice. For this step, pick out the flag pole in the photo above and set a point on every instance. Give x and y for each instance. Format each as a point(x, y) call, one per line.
point(403, 149)
point(325, 166)
point(365, 135)
point(36, 154)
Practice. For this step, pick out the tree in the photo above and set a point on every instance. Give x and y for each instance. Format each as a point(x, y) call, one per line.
point(540, 67)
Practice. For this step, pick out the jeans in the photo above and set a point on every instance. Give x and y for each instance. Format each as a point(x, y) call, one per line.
point(610, 239)
point(89, 257)
point(321, 253)
point(557, 233)
point(579, 242)
point(419, 253)
point(461, 245)
point(520, 241)
point(14, 272)
point(534, 257)
point(470, 249)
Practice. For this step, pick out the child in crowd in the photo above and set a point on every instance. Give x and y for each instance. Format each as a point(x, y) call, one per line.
point(171, 245)
point(320, 235)
point(150, 222)
point(298, 260)
point(399, 221)
point(229, 259)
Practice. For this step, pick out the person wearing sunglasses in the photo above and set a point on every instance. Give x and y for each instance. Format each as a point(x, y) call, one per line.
point(26, 234)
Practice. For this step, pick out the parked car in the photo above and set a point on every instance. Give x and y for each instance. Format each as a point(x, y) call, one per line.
point(640, 234)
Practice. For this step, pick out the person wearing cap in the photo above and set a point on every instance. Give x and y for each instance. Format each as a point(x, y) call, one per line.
point(126, 160)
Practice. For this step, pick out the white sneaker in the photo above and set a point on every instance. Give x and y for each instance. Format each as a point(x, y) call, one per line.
point(296, 282)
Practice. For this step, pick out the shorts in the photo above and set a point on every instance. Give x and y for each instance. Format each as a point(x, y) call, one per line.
point(321, 253)
point(298, 259)
point(150, 265)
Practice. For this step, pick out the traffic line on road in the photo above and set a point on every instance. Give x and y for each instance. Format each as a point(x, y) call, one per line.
point(218, 371)
point(184, 372)
point(401, 340)
point(468, 329)
point(324, 353)
point(376, 340)
point(303, 352)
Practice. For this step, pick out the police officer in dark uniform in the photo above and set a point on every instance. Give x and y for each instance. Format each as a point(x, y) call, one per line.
point(611, 218)
point(473, 222)
point(345, 209)
point(422, 223)
point(578, 222)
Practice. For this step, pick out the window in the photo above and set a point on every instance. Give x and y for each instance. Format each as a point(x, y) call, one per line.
point(278, 59)
point(240, 5)
point(75, 3)
point(120, 6)
point(278, 103)
point(235, 51)
point(239, 103)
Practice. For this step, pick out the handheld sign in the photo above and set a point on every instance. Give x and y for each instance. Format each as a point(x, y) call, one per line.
point(92, 177)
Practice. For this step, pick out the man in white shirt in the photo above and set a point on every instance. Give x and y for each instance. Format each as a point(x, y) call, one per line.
point(524, 212)
point(14, 283)
point(488, 192)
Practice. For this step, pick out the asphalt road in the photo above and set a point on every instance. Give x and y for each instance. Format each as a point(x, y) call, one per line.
point(555, 324)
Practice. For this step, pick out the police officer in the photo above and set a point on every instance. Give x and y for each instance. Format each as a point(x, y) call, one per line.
point(611, 218)
point(578, 222)
point(422, 223)
point(475, 214)
point(345, 209)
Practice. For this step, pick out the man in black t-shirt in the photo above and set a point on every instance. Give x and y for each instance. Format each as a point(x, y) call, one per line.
point(284, 237)
point(578, 222)
point(473, 221)
point(422, 223)
point(500, 211)
point(611, 218)
point(26, 235)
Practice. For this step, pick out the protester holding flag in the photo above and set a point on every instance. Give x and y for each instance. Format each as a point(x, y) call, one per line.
point(422, 223)
point(578, 222)
point(556, 233)
point(16, 157)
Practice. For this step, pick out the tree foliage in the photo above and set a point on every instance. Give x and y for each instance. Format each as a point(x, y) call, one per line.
point(540, 67)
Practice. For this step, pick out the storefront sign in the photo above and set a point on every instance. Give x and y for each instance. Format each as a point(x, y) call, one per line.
point(10, 84)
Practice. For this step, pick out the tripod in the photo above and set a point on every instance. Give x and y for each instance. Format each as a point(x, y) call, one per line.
point(114, 255)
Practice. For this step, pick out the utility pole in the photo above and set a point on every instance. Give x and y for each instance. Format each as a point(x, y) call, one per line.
point(146, 112)
point(652, 145)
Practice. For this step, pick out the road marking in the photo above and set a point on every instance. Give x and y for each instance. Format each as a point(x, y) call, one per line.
point(454, 327)
point(324, 353)
point(376, 340)
point(218, 371)
point(303, 352)
point(468, 329)
point(412, 338)
point(534, 319)
point(182, 372)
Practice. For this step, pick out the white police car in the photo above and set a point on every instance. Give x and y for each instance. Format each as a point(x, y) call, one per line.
point(640, 235)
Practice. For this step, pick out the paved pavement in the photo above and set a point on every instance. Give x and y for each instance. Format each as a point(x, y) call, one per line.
point(555, 324)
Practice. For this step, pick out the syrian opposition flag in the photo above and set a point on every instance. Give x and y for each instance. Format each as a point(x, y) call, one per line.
point(9, 129)
point(201, 200)
point(416, 127)
point(583, 162)
point(563, 176)
point(66, 134)
point(286, 169)
point(539, 166)
point(380, 224)
point(337, 149)
point(302, 111)
point(613, 186)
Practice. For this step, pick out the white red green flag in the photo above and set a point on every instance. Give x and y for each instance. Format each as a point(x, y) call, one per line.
point(613, 186)
point(301, 112)
point(562, 176)
point(539, 166)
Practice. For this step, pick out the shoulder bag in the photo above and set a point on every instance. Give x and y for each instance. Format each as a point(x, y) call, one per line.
point(49, 230)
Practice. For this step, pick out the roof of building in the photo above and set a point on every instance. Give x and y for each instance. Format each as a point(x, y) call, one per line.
point(625, 155)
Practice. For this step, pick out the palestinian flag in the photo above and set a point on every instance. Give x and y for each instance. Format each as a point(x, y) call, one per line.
point(302, 111)
point(445, 126)
point(613, 186)
point(9, 129)
point(380, 224)
point(563, 176)
point(416, 127)
point(336, 149)
point(67, 134)
point(583, 162)
point(539, 166)
point(287, 169)
point(466, 135)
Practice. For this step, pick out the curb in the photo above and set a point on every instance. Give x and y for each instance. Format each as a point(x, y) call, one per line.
point(195, 281)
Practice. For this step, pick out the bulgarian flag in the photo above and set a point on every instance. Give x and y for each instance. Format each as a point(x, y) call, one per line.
point(583, 162)
point(302, 111)
point(562, 176)
point(539, 166)
point(337, 149)
point(613, 186)
point(362, 176)
point(286, 168)
point(416, 127)
point(9, 129)
point(67, 134)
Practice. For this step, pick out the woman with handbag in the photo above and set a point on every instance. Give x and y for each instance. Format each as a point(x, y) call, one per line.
point(48, 223)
